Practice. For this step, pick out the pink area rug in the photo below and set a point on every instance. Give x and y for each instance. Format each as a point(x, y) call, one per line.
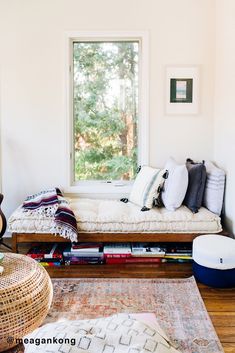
point(177, 304)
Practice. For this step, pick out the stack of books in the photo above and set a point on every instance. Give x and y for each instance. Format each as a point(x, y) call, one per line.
point(83, 254)
point(47, 254)
point(147, 253)
point(116, 253)
point(179, 253)
point(133, 253)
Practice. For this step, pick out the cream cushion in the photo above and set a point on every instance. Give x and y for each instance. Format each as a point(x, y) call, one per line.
point(147, 186)
point(113, 216)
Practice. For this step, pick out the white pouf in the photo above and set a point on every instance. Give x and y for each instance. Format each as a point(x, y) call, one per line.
point(214, 260)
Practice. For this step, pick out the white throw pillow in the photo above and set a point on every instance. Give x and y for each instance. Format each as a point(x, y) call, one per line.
point(147, 186)
point(214, 189)
point(175, 186)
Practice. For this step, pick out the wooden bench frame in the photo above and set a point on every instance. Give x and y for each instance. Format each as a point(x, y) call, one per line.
point(21, 238)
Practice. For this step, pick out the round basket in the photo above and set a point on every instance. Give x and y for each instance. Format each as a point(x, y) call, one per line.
point(25, 298)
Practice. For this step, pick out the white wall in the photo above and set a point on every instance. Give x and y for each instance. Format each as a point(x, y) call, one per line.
point(225, 101)
point(33, 87)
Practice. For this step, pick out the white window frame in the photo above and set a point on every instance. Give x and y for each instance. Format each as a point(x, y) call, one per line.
point(102, 187)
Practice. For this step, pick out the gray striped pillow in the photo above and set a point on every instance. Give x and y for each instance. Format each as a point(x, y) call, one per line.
point(214, 189)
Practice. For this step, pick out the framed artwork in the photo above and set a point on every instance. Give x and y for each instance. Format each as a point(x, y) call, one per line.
point(182, 90)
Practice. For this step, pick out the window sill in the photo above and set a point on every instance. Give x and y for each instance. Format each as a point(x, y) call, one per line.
point(99, 190)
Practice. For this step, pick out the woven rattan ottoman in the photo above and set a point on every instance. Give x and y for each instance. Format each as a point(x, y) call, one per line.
point(25, 298)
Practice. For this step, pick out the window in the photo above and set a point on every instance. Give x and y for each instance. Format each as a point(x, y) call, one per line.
point(106, 109)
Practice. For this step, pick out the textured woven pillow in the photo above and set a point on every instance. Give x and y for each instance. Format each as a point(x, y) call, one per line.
point(147, 187)
point(214, 189)
point(196, 185)
point(113, 334)
point(175, 186)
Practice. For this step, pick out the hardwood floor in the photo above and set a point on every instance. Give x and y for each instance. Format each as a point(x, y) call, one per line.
point(220, 303)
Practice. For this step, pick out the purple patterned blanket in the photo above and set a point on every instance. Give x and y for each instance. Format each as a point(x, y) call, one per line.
point(51, 203)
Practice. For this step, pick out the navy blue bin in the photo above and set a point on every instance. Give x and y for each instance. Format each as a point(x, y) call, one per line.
point(214, 277)
point(214, 260)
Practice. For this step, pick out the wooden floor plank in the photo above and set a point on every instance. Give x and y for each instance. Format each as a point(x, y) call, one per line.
point(226, 334)
point(229, 347)
point(213, 293)
point(226, 319)
point(122, 270)
point(222, 305)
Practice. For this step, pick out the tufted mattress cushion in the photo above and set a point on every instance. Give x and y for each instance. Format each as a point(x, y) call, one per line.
point(115, 216)
point(112, 216)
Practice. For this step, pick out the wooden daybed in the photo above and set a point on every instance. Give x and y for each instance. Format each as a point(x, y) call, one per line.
point(111, 221)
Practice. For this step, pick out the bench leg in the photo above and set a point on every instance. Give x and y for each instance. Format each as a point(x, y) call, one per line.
point(14, 243)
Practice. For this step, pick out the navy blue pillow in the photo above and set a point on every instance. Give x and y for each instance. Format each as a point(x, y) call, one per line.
point(196, 185)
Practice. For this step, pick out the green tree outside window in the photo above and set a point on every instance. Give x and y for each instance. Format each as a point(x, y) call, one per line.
point(105, 110)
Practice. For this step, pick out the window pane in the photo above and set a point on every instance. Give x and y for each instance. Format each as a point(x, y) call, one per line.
point(105, 109)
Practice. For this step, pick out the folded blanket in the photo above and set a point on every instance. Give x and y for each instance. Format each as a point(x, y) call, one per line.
point(51, 203)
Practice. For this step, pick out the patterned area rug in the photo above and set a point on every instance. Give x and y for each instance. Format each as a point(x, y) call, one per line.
point(177, 304)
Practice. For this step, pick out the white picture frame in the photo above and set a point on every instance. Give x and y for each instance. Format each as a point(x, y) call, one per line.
point(182, 90)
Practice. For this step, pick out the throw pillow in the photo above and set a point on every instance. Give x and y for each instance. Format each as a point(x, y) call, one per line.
point(175, 186)
point(147, 187)
point(214, 189)
point(196, 185)
point(117, 333)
